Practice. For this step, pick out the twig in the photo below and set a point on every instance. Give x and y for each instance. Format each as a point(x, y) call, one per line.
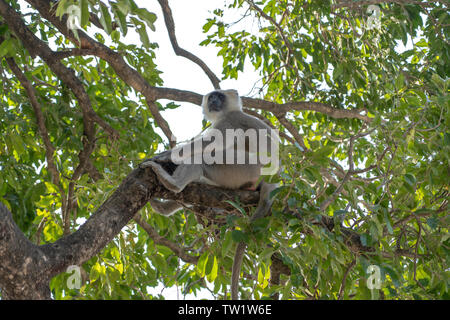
point(180, 252)
point(293, 130)
point(42, 129)
point(344, 279)
point(170, 25)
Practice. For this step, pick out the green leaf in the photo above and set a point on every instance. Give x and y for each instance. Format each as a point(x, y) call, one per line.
point(105, 19)
point(159, 262)
point(400, 81)
point(147, 16)
point(239, 236)
point(277, 190)
point(120, 19)
point(201, 264)
point(263, 276)
point(208, 25)
point(410, 179)
point(433, 222)
point(96, 271)
point(4, 47)
point(388, 222)
point(209, 264)
point(237, 206)
point(61, 9)
point(17, 143)
point(422, 43)
point(84, 12)
point(227, 242)
point(365, 239)
point(396, 280)
point(211, 272)
point(123, 6)
point(143, 36)
point(115, 35)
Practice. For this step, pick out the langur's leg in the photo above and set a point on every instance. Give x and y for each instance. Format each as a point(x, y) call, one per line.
point(183, 175)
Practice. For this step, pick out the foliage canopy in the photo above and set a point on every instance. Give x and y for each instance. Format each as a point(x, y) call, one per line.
point(381, 177)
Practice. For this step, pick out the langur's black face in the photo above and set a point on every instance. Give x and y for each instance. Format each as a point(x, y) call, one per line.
point(216, 101)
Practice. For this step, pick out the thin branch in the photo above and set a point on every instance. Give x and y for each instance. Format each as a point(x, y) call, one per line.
point(162, 123)
point(40, 121)
point(73, 52)
point(338, 190)
point(304, 105)
point(293, 130)
point(267, 121)
point(180, 252)
point(37, 47)
point(42, 129)
point(360, 3)
point(170, 25)
point(344, 279)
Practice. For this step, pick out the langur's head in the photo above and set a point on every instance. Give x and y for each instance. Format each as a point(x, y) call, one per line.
point(219, 102)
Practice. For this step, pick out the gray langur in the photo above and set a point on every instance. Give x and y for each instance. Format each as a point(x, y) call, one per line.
point(229, 165)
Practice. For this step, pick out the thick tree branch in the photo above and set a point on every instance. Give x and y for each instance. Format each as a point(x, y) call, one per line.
point(23, 264)
point(26, 268)
point(170, 25)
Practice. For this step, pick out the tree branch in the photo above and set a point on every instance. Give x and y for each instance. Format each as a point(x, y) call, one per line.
point(37, 47)
point(344, 279)
point(26, 268)
point(360, 3)
point(22, 264)
point(40, 120)
point(294, 131)
point(163, 241)
point(170, 25)
point(279, 109)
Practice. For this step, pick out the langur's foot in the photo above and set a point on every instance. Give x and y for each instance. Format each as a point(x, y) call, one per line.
point(163, 177)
